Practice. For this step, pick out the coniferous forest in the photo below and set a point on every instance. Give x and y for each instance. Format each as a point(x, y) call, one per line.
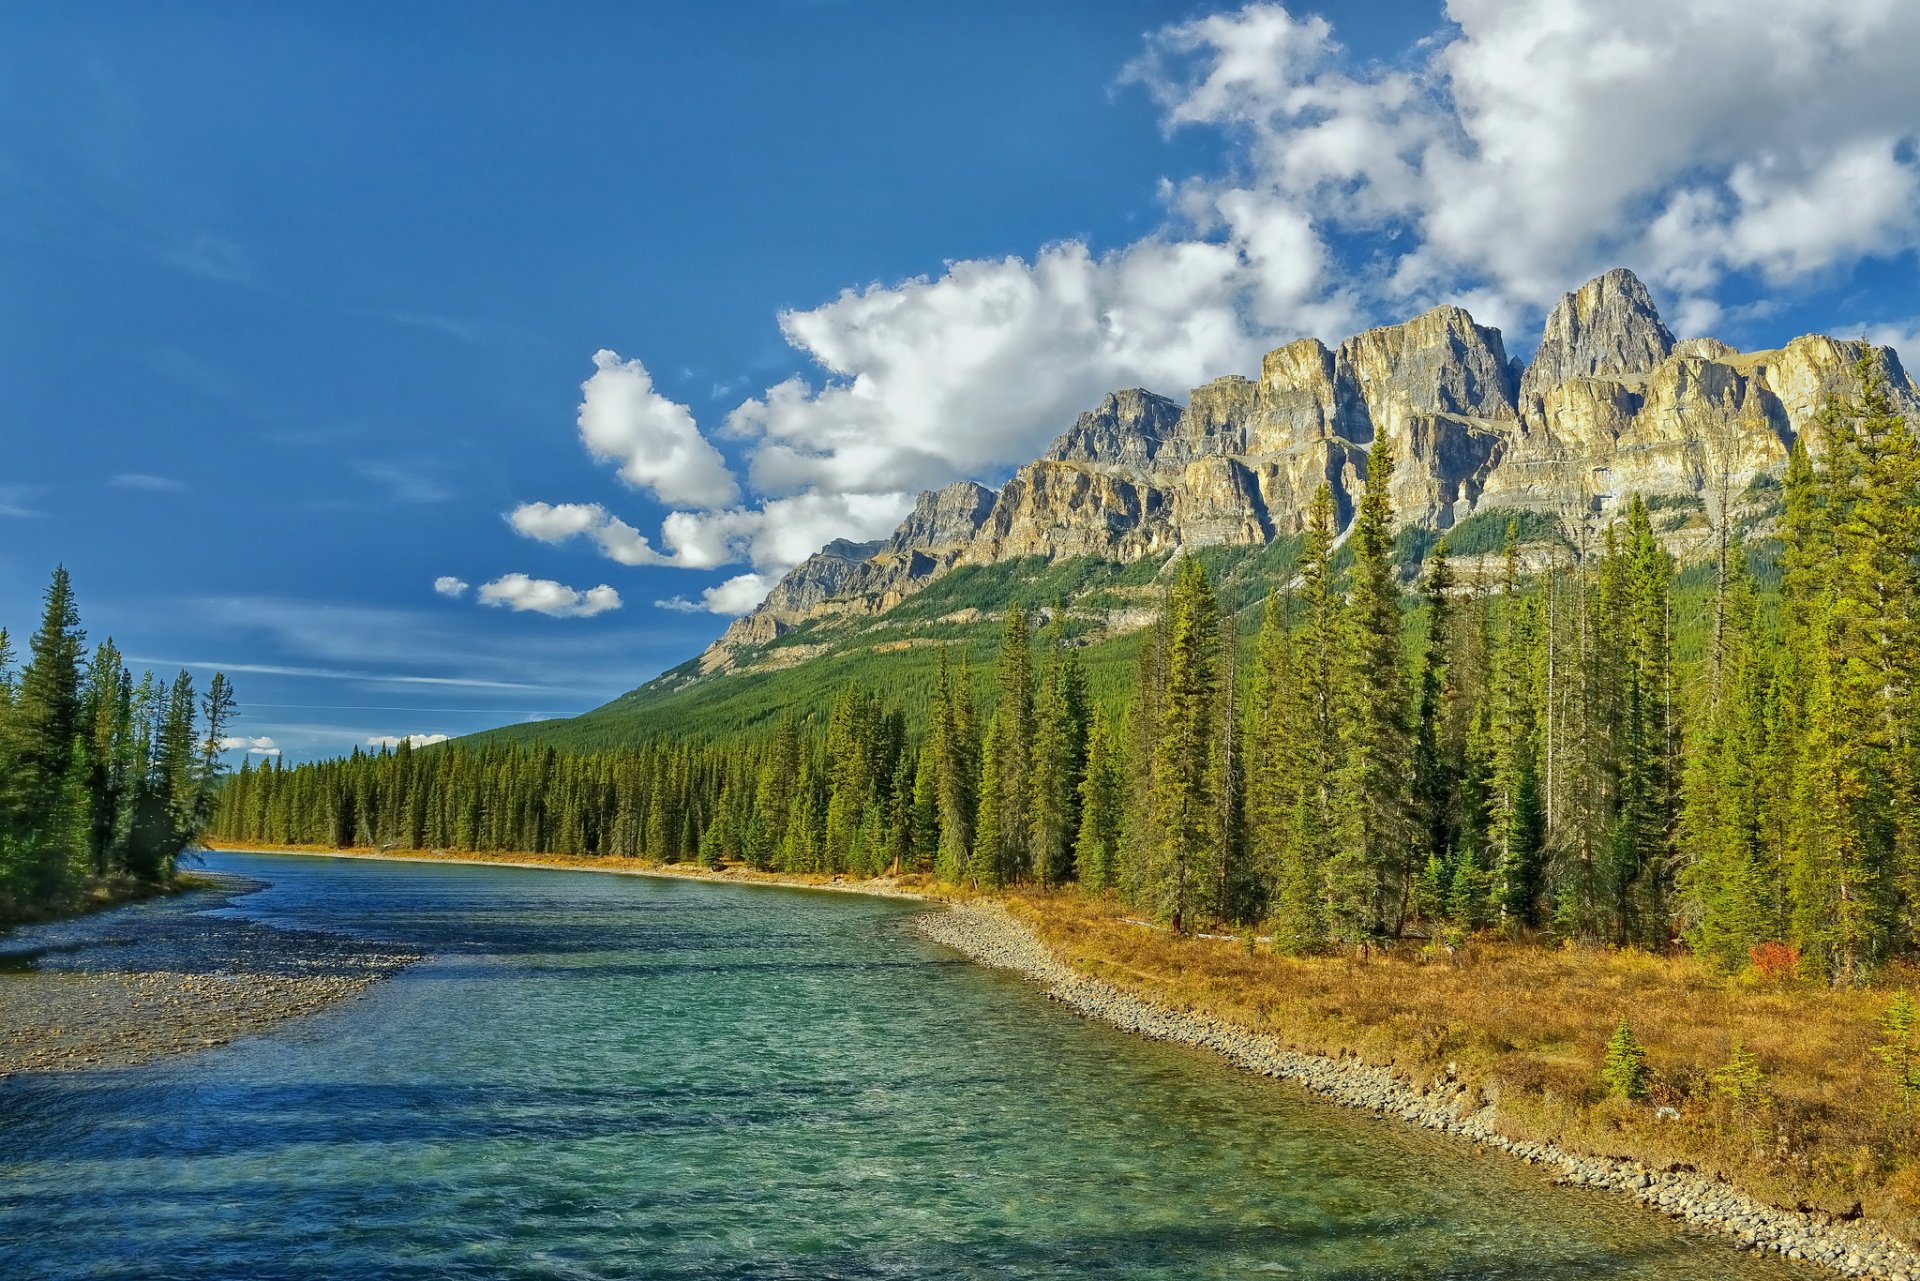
point(1524, 752)
point(104, 780)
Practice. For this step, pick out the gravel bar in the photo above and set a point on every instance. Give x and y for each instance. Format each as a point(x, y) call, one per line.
point(987, 933)
point(168, 976)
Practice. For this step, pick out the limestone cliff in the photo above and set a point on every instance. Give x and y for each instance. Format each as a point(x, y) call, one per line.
point(1609, 406)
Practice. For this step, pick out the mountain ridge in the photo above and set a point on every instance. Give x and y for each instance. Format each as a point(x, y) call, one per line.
point(1611, 404)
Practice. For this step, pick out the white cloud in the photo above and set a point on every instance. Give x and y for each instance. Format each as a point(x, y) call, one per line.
point(1503, 160)
point(623, 419)
point(260, 746)
point(414, 740)
point(449, 586)
point(142, 481)
point(557, 522)
point(544, 596)
point(1544, 142)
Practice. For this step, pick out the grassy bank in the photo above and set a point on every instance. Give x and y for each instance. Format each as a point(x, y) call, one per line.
point(1822, 1126)
point(103, 893)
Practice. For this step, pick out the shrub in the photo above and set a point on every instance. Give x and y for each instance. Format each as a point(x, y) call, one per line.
point(1625, 1072)
point(1775, 960)
point(1899, 1046)
point(1740, 1080)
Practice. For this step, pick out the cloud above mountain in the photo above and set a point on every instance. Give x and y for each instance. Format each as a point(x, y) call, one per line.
point(1509, 155)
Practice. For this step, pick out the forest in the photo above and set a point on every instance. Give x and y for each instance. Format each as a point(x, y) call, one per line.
point(104, 780)
point(1527, 755)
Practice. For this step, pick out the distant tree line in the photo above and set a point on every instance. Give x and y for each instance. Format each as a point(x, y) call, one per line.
point(103, 779)
point(1525, 754)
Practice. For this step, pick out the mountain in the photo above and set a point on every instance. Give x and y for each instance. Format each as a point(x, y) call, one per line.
point(1610, 405)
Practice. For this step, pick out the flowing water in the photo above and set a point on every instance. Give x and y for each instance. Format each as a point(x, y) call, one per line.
point(597, 1076)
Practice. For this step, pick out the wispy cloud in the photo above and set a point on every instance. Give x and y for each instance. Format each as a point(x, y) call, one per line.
point(14, 499)
point(182, 367)
point(405, 482)
point(322, 673)
point(143, 481)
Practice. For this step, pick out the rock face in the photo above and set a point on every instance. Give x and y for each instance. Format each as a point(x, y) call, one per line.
point(1608, 328)
point(1609, 406)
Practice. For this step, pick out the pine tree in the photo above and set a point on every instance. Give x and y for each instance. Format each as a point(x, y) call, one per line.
point(1516, 820)
point(1058, 757)
point(1624, 1069)
point(1728, 884)
point(1371, 872)
point(1185, 760)
point(1008, 790)
point(1096, 845)
point(1436, 756)
point(956, 771)
point(1311, 708)
point(43, 723)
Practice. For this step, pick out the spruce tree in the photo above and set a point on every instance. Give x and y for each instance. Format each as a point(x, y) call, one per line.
point(1096, 844)
point(1371, 873)
point(1185, 760)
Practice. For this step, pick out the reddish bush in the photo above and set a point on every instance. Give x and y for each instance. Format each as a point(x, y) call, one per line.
point(1775, 960)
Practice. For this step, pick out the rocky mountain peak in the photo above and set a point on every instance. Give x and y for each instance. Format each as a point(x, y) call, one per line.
point(1125, 430)
point(943, 516)
point(1607, 328)
point(1441, 361)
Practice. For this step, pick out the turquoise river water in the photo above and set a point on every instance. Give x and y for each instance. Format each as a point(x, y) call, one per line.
point(597, 1076)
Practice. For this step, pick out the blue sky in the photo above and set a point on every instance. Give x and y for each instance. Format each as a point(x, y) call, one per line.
point(297, 303)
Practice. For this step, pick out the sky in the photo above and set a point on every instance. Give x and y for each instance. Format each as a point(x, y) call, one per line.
point(431, 367)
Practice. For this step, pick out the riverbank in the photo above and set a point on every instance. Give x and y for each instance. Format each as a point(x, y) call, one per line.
point(991, 934)
point(908, 886)
point(1377, 1036)
point(163, 976)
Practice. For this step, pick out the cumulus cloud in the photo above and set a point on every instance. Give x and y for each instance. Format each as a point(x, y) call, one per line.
point(558, 522)
point(1505, 158)
point(544, 596)
point(254, 746)
point(412, 740)
point(449, 586)
point(624, 420)
point(1540, 143)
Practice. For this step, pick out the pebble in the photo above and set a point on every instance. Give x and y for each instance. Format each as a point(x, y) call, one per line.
point(166, 977)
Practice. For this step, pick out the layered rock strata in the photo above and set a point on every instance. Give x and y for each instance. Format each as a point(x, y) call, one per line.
point(1610, 405)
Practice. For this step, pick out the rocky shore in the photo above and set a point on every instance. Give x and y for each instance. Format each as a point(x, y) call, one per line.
point(987, 933)
point(167, 976)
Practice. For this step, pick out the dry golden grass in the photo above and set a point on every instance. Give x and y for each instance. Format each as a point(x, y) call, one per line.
point(1529, 1024)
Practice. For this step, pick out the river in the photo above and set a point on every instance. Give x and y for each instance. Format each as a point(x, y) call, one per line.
point(598, 1076)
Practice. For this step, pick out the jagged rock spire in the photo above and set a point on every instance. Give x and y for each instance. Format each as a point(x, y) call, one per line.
point(1607, 327)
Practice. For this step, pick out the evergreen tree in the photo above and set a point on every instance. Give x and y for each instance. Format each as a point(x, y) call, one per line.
point(1371, 873)
point(1185, 761)
point(1311, 707)
point(1096, 845)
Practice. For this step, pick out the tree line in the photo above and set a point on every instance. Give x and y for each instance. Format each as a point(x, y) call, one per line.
point(1526, 754)
point(104, 780)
